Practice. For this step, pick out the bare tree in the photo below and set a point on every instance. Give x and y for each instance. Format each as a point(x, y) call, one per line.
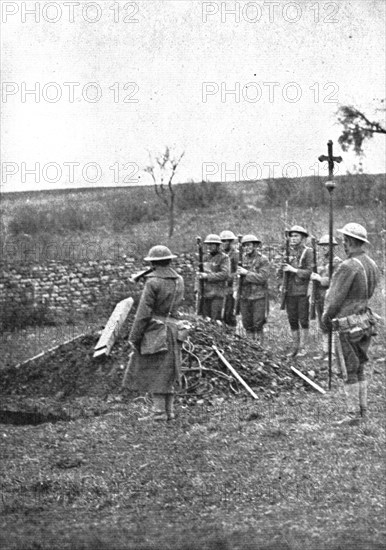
point(357, 128)
point(162, 169)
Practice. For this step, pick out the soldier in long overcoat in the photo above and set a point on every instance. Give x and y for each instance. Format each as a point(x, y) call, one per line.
point(156, 369)
point(352, 285)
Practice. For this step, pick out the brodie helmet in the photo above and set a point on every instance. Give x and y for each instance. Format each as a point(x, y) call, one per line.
point(227, 236)
point(158, 253)
point(250, 239)
point(325, 239)
point(298, 229)
point(212, 238)
point(354, 230)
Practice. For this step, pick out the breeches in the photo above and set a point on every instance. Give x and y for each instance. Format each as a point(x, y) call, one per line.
point(212, 308)
point(229, 317)
point(297, 311)
point(253, 314)
point(355, 356)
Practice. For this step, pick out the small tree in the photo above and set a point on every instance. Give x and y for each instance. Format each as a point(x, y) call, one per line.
point(162, 169)
point(357, 128)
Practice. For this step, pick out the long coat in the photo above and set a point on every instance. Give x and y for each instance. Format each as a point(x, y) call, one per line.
point(157, 373)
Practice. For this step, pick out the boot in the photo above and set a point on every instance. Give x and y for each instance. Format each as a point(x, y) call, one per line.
point(159, 408)
point(363, 399)
point(295, 343)
point(304, 343)
point(170, 406)
point(352, 402)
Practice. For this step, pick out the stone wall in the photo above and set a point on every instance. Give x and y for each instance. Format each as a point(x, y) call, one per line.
point(78, 287)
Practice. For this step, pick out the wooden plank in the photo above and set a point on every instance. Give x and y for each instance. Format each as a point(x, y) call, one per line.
point(113, 327)
point(304, 377)
point(235, 373)
point(42, 353)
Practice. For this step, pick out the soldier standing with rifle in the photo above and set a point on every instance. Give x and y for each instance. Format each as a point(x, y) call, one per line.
point(321, 281)
point(346, 310)
point(228, 239)
point(215, 275)
point(254, 288)
point(297, 269)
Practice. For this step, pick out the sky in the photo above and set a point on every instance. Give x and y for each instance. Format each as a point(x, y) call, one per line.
point(113, 81)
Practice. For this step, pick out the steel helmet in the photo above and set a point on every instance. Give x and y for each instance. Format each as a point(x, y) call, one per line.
point(325, 239)
point(158, 253)
point(354, 230)
point(227, 236)
point(298, 229)
point(250, 239)
point(212, 238)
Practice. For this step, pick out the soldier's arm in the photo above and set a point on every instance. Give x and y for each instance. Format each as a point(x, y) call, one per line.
point(336, 294)
point(305, 271)
point(144, 313)
point(260, 274)
point(223, 273)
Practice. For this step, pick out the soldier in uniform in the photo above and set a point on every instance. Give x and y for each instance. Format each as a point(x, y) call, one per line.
point(228, 239)
point(254, 288)
point(215, 276)
point(322, 279)
point(153, 371)
point(346, 303)
point(299, 270)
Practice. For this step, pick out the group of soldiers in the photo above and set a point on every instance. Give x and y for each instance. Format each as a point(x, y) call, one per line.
point(236, 275)
point(232, 284)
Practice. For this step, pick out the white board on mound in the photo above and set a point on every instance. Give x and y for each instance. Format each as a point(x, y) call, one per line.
point(113, 327)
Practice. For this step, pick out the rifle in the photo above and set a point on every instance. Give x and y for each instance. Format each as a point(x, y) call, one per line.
point(314, 283)
point(241, 278)
point(200, 294)
point(138, 276)
point(285, 273)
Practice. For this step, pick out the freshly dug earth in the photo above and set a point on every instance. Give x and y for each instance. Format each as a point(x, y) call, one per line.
point(45, 386)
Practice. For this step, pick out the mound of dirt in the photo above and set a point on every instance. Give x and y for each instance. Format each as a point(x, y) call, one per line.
point(71, 371)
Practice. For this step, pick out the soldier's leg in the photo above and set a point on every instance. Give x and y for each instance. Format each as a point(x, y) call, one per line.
point(303, 312)
point(159, 408)
point(259, 319)
point(362, 349)
point(216, 308)
point(247, 317)
point(206, 307)
point(170, 406)
point(292, 313)
point(229, 317)
point(351, 385)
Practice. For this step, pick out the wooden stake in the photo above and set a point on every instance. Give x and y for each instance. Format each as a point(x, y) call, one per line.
point(318, 388)
point(235, 373)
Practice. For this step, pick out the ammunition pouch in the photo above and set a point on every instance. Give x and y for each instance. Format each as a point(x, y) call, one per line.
point(356, 326)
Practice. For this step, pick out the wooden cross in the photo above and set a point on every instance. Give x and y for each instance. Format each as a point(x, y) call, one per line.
point(331, 159)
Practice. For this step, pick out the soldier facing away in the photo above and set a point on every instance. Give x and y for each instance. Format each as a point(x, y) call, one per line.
point(299, 270)
point(346, 309)
point(254, 288)
point(228, 239)
point(322, 278)
point(215, 276)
